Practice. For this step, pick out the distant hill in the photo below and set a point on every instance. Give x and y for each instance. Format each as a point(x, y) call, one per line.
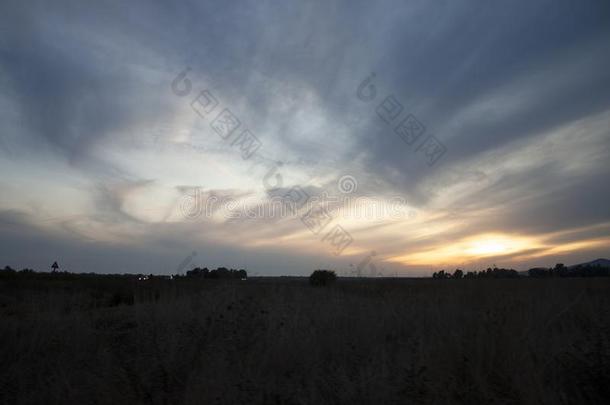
point(595, 268)
point(595, 263)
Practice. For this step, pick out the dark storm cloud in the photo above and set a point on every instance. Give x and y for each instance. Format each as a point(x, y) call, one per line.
point(439, 57)
point(68, 69)
point(458, 55)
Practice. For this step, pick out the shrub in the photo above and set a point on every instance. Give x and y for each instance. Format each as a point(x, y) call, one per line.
point(322, 277)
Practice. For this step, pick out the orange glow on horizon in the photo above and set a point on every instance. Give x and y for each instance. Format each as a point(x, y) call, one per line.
point(511, 247)
point(472, 248)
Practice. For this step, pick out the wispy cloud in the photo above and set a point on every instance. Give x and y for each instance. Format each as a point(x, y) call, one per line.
point(96, 151)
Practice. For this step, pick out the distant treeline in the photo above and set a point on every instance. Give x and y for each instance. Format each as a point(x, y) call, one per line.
point(9, 272)
point(219, 273)
point(560, 270)
point(489, 273)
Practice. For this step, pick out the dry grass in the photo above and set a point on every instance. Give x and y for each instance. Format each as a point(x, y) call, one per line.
point(285, 342)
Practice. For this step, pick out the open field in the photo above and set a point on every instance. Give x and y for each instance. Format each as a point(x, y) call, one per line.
point(282, 341)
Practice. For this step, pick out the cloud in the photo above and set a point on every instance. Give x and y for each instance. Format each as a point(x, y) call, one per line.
point(97, 148)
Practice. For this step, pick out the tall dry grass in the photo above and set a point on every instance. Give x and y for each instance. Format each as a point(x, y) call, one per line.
point(285, 342)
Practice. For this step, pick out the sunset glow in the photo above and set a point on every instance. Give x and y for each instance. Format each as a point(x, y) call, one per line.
point(470, 249)
point(496, 245)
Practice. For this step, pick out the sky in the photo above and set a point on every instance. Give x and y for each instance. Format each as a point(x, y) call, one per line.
point(373, 138)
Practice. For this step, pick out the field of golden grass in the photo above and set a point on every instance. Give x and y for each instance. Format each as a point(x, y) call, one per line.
point(282, 341)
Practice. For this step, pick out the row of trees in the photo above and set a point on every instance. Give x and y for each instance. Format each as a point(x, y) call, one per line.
point(221, 272)
point(9, 270)
point(9, 273)
point(560, 270)
point(489, 273)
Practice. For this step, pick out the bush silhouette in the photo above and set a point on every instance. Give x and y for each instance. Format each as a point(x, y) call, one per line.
point(322, 277)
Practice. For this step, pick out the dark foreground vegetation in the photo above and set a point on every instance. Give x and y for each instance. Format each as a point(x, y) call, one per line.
point(121, 340)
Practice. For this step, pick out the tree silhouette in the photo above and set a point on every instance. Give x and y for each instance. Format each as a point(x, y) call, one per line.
point(322, 277)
